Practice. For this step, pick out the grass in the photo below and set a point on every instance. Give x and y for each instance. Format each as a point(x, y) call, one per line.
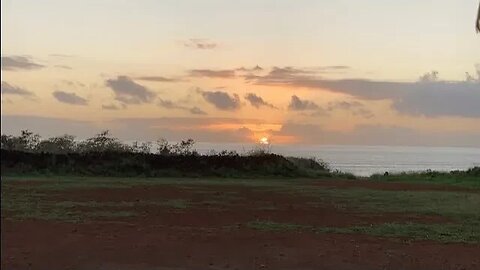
point(177, 204)
point(462, 208)
point(59, 183)
point(33, 201)
point(454, 179)
point(274, 226)
point(449, 204)
point(438, 232)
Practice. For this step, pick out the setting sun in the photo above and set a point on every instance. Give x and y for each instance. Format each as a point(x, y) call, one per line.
point(264, 140)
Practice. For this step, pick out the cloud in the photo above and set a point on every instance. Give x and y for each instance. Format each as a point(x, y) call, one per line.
point(344, 105)
point(297, 104)
point(204, 129)
point(332, 69)
point(8, 89)
point(69, 98)
point(63, 67)
point(336, 67)
point(73, 83)
point(60, 55)
point(279, 75)
point(15, 63)
point(201, 129)
point(168, 104)
point(114, 107)
point(355, 107)
point(256, 68)
point(378, 135)
point(130, 92)
point(201, 44)
point(47, 126)
point(363, 112)
point(157, 79)
point(228, 73)
point(198, 111)
point(257, 101)
point(287, 72)
point(429, 96)
point(222, 100)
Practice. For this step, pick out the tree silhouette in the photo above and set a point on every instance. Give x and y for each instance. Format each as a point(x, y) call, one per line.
point(478, 19)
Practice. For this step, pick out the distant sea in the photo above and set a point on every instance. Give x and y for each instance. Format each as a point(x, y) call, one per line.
point(368, 160)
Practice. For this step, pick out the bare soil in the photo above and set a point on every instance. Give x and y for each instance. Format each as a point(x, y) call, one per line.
point(210, 233)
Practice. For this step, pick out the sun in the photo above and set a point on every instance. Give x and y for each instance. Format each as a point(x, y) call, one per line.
point(264, 140)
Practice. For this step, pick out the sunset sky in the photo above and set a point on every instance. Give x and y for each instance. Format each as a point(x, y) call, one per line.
point(298, 72)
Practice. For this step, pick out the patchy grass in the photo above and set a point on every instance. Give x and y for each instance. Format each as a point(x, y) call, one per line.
point(58, 183)
point(468, 233)
point(459, 179)
point(21, 200)
point(463, 209)
point(34, 205)
point(438, 232)
point(274, 226)
point(450, 204)
point(177, 204)
point(30, 203)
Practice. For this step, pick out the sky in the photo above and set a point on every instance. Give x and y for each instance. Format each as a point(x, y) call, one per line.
point(369, 72)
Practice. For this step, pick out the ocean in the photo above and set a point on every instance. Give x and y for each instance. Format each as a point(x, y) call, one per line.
point(368, 160)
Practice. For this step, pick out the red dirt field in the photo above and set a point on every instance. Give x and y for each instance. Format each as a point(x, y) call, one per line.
point(211, 234)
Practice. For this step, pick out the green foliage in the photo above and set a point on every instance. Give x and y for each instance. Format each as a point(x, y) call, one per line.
point(27, 142)
point(263, 225)
point(438, 232)
point(143, 148)
point(104, 155)
point(449, 216)
point(60, 145)
point(469, 178)
point(102, 142)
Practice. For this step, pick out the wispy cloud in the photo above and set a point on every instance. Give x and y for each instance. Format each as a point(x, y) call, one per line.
point(69, 98)
point(377, 135)
point(198, 111)
point(429, 96)
point(73, 83)
point(114, 107)
point(355, 107)
point(15, 63)
point(130, 92)
point(201, 44)
point(257, 101)
point(227, 73)
point(8, 89)
point(61, 55)
point(157, 79)
point(256, 68)
point(63, 66)
point(168, 104)
point(297, 104)
point(222, 100)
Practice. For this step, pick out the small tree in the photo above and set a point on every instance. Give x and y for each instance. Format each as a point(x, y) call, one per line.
point(103, 142)
point(184, 148)
point(59, 145)
point(27, 141)
point(163, 147)
point(144, 147)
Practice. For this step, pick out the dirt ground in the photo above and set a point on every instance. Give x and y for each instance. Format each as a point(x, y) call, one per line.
point(211, 233)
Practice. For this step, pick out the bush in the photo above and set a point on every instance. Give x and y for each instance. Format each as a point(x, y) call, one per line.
point(104, 155)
